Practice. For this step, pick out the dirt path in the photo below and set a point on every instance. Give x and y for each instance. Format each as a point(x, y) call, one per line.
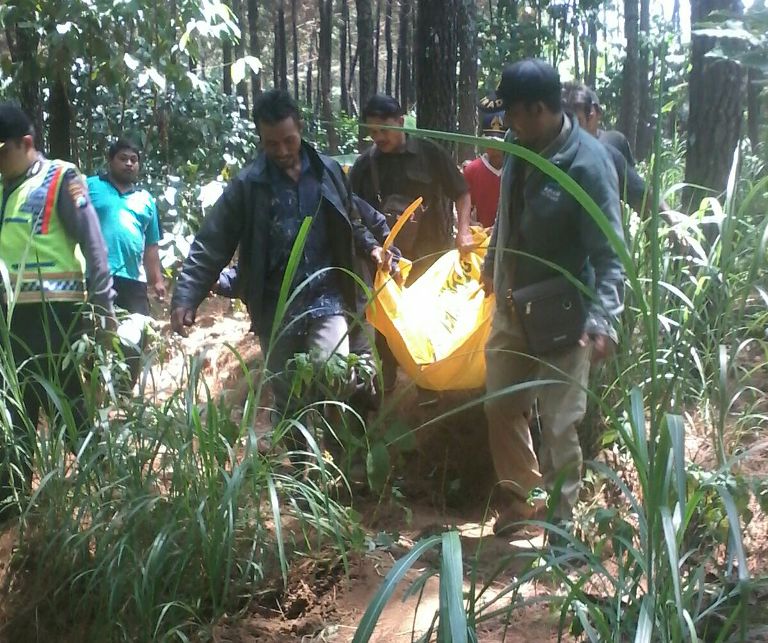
point(444, 483)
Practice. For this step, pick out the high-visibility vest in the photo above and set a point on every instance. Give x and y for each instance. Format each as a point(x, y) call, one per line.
point(33, 244)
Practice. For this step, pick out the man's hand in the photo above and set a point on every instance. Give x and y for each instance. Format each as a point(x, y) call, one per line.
point(465, 242)
point(382, 258)
point(486, 281)
point(181, 320)
point(159, 288)
point(602, 346)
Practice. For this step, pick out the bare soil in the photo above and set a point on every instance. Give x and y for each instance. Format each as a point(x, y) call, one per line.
point(445, 482)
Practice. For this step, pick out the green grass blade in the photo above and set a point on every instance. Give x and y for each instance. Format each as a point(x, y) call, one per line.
point(394, 576)
point(674, 560)
point(734, 525)
point(453, 618)
point(644, 633)
point(275, 504)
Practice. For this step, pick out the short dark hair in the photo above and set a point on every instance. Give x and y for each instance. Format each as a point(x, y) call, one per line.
point(382, 106)
point(275, 106)
point(14, 123)
point(577, 95)
point(531, 81)
point(121, 144)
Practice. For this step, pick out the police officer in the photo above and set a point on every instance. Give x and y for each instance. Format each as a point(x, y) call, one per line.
point(45, 214)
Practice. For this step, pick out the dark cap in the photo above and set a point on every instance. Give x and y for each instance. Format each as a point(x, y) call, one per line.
point(530, 81)
point(14, 123)
point(492, 116)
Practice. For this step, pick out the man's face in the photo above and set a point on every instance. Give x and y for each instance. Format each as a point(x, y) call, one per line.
point(14, 157)
point(496, 157)
point(526, 121)
point(387, 140)
point(281, 142)
point(589, 118)
point(124, 166)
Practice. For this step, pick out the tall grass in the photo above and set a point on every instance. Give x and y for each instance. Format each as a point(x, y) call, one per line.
point(663, 559)
point(167, 515)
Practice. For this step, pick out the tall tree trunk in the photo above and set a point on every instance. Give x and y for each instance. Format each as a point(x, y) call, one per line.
point(388, 43)
point(324, 63)
point(376, 46)
point(242, 86)
point(676, 18)
point(23, 42)
point(226, 69)
point(591, 76)
point(755, 78)
point(308, 85)
point(254, 46)
point(467, 36)
point(281, 49)
point(404, 55)
point(365, 57)
point(60, 114)
point(715, 90)
point(644, 124)
point(630, 86)
point(436, 64)
point(344, 56)
point(295, 36)
point(575, 33)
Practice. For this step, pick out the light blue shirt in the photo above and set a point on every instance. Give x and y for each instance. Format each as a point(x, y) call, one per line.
point(129, 223)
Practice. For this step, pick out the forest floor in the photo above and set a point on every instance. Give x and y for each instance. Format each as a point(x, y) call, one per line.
point(444, 483)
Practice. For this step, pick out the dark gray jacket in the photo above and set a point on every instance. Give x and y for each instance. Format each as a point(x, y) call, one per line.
point(555, 228)
point(241, 218)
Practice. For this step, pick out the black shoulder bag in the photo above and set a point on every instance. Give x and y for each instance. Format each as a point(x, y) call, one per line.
point(551, 312)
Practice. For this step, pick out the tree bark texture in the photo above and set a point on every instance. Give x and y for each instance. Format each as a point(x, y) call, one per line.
point(254, 46)
point(645, 89)
point(404, 55)
point(436, 54)
point(226, 69)
point(295, 37)
point(755, 78)
point(630, 86)
point(281, 46)
point(467, 99)
point(60, 116)
point(324, 62)
point(23, 42)
point(365, 57)
point(344, 56)
point(242, 86)
point(388, 44)
point(715, 96)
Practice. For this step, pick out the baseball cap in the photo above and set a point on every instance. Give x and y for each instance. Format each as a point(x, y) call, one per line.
point(14, 123)
point(492, 116)
point(530, 81)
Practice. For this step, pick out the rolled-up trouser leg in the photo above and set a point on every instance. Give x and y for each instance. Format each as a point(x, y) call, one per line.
point(507, 413)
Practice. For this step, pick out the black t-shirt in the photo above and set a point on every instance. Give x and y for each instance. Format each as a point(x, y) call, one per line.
point(631, 184)
point(423, 169)
point(618, 141)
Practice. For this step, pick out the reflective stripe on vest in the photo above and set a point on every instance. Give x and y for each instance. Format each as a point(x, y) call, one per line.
point(42, 260)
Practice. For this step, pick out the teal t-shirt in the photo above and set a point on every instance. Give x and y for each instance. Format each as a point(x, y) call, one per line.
point(129, 223)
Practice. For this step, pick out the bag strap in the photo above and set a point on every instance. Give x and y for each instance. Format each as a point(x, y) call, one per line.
point(516, 207)
point(375, 176)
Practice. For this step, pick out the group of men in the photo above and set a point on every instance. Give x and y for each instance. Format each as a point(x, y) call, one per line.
point(63, 240)
point(539, 233)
